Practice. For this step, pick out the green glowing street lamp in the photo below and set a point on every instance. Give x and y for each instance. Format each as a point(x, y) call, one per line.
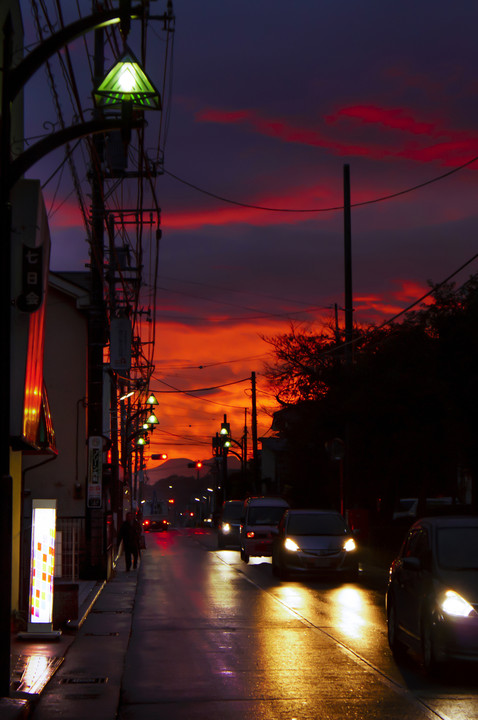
point(126, 82)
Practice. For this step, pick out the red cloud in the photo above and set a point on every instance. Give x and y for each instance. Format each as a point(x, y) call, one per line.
point(65, 215)
point(456, 147)
point(395, 118)
point(287, 132)
point(301, 197)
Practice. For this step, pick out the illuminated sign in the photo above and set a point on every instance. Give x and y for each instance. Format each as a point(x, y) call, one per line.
point(42, 565)
point(29, 273)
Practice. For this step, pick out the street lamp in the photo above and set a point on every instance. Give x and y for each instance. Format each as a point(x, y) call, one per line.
point(127, 83)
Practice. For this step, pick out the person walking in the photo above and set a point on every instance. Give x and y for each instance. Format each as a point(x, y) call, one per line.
point(129, 535)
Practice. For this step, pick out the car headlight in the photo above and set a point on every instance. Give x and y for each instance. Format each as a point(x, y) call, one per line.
point(289, 544)
point(453, 604)
point(226, 528)
point(350, 545)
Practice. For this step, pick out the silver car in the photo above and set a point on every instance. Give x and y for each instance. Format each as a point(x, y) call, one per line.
point(317, 542)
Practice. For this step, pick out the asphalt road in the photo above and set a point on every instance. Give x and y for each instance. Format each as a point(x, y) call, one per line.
point(213, 637)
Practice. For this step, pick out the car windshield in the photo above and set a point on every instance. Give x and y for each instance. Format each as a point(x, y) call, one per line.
point(232, 512)
point(314, 524)
point(405, 505)
point(265, 515)
point(457, 548)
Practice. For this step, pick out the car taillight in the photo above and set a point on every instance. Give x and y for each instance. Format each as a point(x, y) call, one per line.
point(145, 522)
point(250, 534)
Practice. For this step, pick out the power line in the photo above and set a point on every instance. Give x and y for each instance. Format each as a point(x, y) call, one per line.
point(196, 390)
point(326, 209)
point(208, 365)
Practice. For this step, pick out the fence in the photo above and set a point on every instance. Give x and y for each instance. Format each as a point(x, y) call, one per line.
point(70, 547)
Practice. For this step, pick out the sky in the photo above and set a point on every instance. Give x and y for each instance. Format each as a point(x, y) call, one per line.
point(265, 104)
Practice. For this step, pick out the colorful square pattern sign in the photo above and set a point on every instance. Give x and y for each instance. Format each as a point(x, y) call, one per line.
point(42, 563)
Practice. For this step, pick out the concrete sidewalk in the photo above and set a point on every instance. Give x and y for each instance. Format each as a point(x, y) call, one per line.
point(49, 676)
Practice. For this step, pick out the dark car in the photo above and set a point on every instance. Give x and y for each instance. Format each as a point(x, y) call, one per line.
point(315, 542)
point(432, 595)
point(155, 523)
point(228, 531)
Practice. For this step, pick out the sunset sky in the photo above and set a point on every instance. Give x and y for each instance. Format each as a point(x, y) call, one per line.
point(269, 99)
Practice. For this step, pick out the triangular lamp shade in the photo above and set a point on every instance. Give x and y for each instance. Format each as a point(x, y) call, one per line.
point(127, 82)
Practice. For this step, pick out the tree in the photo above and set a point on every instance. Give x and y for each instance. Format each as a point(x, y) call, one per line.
point(408, 404)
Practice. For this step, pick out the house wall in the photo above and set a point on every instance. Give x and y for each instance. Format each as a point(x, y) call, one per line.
point(65, 375)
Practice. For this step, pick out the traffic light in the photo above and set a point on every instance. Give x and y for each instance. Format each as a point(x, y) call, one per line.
point(159, 456)
point(196, 465)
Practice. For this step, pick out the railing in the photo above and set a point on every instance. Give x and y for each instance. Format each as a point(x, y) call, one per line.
point(70, 547)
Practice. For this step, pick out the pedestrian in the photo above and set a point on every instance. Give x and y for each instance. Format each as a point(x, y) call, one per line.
point(129, 535)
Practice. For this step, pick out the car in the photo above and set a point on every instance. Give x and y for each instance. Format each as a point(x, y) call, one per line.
point(229, 527)
point(432, 593)
point(314, 542)
point(152, 523)
point(261, 515)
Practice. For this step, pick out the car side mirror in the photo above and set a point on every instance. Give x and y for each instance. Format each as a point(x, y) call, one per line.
point(411, 563)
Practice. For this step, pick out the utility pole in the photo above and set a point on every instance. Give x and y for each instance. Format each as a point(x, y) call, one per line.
point(348, 268)
point(345, 480)
point(224, 465)
point(255, 454)
point(244, 448)
point(96, 338)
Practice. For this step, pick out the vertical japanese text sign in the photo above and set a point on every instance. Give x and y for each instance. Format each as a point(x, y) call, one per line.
point(95, 471)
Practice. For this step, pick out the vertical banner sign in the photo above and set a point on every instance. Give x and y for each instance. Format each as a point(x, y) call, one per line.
point(42, 565)
point(95, 471)
point(31, 296)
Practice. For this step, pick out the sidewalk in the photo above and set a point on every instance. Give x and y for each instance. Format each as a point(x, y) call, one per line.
point(34, 663)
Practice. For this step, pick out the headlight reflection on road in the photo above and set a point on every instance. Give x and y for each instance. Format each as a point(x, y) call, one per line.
point(349, 611)
point(291, 596)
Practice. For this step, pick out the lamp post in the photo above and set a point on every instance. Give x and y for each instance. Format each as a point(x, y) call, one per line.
point(13, 82)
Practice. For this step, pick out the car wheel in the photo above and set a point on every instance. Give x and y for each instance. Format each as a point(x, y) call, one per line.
point(429, 659)
point(276, 568)
point(279, 570)
point(396, 646)
point(244, 556)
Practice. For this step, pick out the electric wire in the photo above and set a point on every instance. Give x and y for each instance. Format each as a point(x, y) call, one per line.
point(334, 208)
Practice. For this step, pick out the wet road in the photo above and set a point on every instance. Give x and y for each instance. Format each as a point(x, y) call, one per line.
point(215, 638)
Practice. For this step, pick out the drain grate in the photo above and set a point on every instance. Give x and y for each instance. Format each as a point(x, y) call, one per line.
point(83, 680)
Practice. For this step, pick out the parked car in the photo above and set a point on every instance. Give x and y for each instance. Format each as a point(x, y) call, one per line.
point(229, 527)
point(432, 594)
point(407, 507)
point(261, 515)
point(315, 542)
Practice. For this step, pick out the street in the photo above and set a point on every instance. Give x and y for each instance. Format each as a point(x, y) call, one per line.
point(214, 637)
